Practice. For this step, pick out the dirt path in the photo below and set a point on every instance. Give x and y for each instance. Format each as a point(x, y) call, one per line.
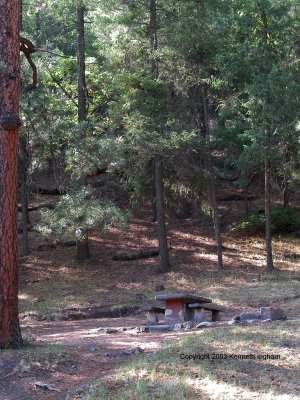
point(70, 355)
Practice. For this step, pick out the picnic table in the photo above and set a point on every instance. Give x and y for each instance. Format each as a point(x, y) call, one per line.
point(177, 306)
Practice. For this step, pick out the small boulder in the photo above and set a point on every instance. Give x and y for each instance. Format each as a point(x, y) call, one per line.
point(142, 328)
point(236, 319)
point(204, 324)
point(177, 327)
point(111, 330)
point(128, 352)
point(188, 325)
point(159, 328)
point(93, 349)
point(272, 313)
point(139, 350)
point(249, 316)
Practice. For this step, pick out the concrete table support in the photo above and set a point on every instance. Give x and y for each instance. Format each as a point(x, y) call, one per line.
point(176, 306)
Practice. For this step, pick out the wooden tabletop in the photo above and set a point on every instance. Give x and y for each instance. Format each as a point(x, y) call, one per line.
point(186, 297)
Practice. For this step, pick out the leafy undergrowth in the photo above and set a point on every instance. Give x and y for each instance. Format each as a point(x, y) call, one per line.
point(284, 220)
point(255, 362)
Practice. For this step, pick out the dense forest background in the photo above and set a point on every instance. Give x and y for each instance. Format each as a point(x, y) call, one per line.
point(168, 96)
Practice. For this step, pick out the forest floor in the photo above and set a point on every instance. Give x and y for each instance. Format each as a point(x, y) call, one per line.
point(70, 355)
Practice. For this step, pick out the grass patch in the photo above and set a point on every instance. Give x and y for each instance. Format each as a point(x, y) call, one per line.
point(35, 358)
point(169, 374)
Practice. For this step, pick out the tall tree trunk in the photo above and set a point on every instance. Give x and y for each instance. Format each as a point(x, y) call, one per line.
point(246, 202)
point(153, 203)
point(10, 333)
point(83, 251)
point(286, 189)
point(24, 196)
point(270, 266)
point(267, 136)
point(164, 262)
point(81, 82)
point(153, 37)
point(286, 193)
point(212, 185)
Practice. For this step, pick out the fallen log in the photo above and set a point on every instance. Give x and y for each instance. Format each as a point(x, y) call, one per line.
point(54, 245)
point(236, 197)
point(130, 255)
point(34, 188)
point(37, 207)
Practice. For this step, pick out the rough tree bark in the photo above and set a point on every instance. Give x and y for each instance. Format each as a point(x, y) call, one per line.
point(267, 137)
point(10, 334)
point(83, 251)
point(212, 185)
point(81, 82)
point(164, 261)
point(286, 194)
point(270, 266)
point(23, 167)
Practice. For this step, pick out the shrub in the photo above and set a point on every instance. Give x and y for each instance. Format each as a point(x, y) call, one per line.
point(77, 212)
point(284, 220)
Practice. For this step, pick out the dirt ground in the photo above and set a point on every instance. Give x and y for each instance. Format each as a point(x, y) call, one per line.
point(70, 355)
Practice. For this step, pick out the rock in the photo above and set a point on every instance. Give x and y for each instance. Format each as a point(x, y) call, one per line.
point(93, 349)
point(159, 328)
point(188, 325)
point(272, 313)
point(139, 350)
point(159, 288)
point(236, 319)
point(204, 324)
point(266, 320)
point(248, 316)
point(124, 329)
point(111, 330)
point(177, 327)
point(143, 328)
point(128, 352)
point(107, 354)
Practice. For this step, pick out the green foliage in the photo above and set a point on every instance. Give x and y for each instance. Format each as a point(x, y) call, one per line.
point(284, 220)
point(217, 47)
point(77, 212)
point(86, 154)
